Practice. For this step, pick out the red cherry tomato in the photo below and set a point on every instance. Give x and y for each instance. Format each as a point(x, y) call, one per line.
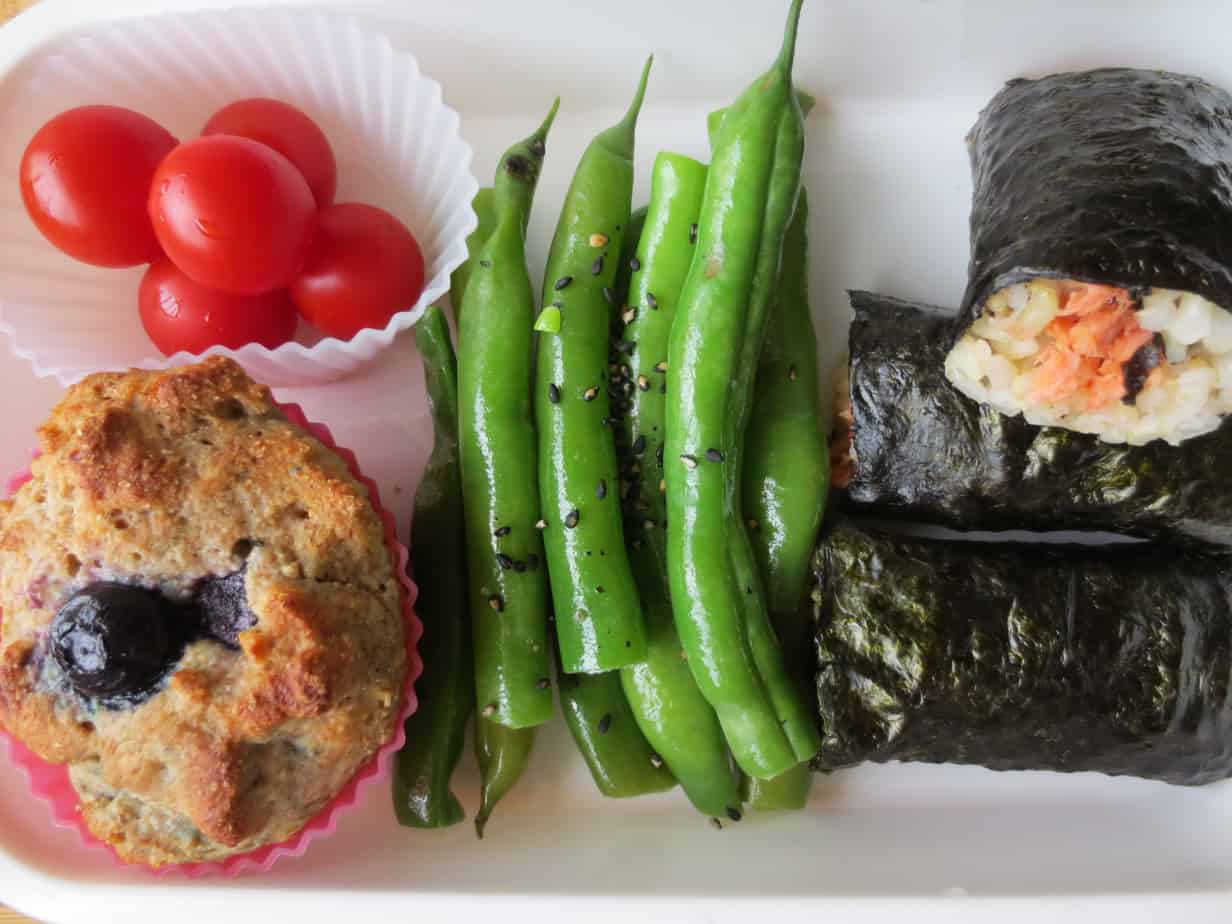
point(85, 177)
point(289, 132)
point(233, 214)
point(180, 314)
point(364, 267)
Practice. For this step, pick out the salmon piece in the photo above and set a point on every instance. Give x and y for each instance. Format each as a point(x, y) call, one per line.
point(1093, 336)
point(1058, 374)
point(1086, 299)
point(1107, 387)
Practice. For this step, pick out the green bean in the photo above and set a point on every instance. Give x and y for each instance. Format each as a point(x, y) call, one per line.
point(602, 725)
point(786, 480)
point(503, 755)
point(435, 733)
point(599, 618)
point(485, 212)
point(750, 193)
point(509, 594)
point(628, 253)
point(667, 705)
point(787, 469)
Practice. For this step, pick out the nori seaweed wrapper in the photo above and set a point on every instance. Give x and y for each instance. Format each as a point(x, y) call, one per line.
point(1116, 176)
point(1024, 657)
point(924, 451)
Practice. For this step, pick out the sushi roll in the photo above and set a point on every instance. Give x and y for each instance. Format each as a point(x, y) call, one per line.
point(1100, 282)
point(1024, 657)
point(907, 444)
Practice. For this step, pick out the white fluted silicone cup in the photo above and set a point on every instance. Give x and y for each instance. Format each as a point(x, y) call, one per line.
point(397, 144)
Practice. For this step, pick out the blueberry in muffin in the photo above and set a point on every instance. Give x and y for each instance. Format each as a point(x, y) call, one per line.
point(200, 615)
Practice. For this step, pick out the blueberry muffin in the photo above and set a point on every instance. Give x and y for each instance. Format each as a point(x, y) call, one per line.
point(200, 614)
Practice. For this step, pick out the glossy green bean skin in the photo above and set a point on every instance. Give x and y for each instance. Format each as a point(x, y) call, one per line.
point(602, 724)
point(789, 791)
point(786, 481)
point(667, 705)
point(787, 461)
point(485, 212)
point(509, 599)
point(751, 557)
point(795, 713)
point(738, 231)
point(628, 253)
point(599, 618)
point(446, 692)
point(503, 755)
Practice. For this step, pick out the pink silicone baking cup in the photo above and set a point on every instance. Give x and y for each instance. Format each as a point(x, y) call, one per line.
point(50, 782)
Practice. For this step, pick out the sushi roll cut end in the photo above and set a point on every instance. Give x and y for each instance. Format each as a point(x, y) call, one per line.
point(1125, 367)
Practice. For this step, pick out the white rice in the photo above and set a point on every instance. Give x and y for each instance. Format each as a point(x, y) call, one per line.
point(994, 361)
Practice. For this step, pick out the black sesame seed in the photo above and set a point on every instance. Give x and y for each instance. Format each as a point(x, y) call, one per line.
point(544, 683)
point(599, 589)
point(610, 294)
point(591, 393)
point(502, 531)
point(554, 393)
point(734, 813)
point(505, 561)
point(659, 456)
point(605, 723)
point(716, 824)
point(519, 566)
point(601, 489)
point(693, 233)
point(663, 389)
point(558, 304)
point(497, 602)
point(651, 302)
point(572, 518)
point(532, 562)
point(563, 282)
point(597, 267)
point(485, 263)
point(635, 264)
point(713, 455)
point(639, 445)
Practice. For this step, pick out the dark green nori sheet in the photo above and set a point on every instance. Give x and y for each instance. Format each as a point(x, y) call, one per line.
point(1115, 176)
point(923, 451)
point(1022, 657)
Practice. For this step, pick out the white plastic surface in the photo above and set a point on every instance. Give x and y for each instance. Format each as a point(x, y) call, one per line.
point(901, 81)
point(396, 144)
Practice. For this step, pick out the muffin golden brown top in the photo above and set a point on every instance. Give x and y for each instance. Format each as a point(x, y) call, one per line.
point(192, 485)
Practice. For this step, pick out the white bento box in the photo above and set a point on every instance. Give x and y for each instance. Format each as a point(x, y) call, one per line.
point(899, 84)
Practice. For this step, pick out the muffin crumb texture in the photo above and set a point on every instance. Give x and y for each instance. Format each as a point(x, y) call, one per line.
point(180, 482)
